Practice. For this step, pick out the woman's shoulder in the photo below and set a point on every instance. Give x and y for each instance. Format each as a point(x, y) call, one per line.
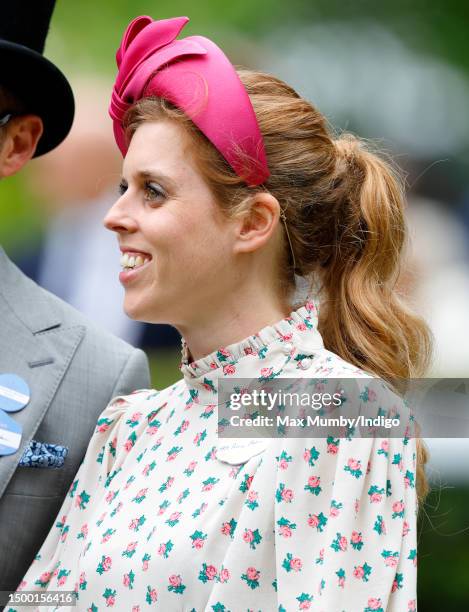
point(328, 363)
point(143, 400)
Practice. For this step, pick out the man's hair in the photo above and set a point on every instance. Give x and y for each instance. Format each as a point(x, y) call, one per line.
point(10, 102)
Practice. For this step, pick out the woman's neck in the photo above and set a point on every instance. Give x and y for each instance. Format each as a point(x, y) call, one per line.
point(230, 323)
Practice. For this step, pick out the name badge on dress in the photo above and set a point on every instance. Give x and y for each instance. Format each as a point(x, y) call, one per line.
point(240, 450)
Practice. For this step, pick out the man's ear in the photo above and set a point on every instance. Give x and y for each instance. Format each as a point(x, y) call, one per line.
point(257, 223)
point(20, 142)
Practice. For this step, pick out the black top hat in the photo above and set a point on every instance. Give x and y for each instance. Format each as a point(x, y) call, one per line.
point(40, 85)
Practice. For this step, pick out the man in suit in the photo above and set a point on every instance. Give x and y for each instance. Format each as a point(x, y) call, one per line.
point(72, 368)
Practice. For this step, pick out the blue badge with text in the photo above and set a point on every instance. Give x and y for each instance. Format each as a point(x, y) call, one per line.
point(10, 435)
point(14, 392)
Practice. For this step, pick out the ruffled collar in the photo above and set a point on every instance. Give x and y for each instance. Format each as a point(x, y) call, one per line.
point(269, 348)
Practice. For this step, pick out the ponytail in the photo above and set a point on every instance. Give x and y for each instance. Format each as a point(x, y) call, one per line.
point(364, 320)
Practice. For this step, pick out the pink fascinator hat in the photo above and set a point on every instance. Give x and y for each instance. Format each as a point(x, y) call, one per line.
point(194, 74)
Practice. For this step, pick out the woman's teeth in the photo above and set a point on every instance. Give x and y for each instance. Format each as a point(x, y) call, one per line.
point(131, 261)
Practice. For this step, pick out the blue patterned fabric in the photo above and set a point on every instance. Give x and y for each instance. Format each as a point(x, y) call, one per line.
point(43, 455)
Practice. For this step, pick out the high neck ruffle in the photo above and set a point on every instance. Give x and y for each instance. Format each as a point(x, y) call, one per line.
point(246, 357)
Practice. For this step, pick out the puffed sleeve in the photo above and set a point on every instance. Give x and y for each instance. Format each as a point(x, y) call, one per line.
point(103, 459)
point(345, 524)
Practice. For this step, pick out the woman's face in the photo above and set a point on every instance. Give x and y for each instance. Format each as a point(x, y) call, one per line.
point(171, 229)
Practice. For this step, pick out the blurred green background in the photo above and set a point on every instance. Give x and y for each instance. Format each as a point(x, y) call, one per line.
point(267, 34)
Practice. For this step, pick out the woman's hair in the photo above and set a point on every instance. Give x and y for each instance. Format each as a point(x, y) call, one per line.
point(344, 209)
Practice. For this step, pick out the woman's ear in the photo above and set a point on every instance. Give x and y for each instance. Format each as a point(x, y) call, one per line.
point(257, 222)
point(19, 143)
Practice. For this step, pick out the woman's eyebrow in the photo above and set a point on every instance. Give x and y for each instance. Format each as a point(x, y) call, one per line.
point(157, 176)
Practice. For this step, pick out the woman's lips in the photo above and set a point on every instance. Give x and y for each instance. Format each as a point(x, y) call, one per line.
point(133, 262)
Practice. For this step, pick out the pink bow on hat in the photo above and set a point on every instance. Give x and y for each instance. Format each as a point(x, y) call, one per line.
point(195, 75)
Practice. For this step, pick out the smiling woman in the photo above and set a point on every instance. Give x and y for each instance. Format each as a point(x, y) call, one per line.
point(232, 185)
point(168, 216)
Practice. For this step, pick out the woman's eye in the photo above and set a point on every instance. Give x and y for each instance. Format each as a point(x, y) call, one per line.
point(122, 188)
point(154, 192)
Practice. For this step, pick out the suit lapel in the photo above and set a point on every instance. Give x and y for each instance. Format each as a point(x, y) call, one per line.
point(35, 344)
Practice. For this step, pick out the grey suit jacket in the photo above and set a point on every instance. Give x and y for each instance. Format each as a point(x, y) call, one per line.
point(73, 370)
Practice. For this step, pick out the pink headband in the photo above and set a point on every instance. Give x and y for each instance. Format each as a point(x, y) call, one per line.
point(197, 77)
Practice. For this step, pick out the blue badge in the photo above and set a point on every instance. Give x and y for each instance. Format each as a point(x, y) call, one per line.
point(14, 392)
point(10, 435)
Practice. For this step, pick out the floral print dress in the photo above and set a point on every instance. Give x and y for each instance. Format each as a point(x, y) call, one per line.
point(164, 515)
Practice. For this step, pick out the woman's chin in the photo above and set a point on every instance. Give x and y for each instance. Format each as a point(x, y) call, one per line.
point(139, 310)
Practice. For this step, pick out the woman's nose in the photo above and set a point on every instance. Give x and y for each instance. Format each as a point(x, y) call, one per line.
point(119, 219)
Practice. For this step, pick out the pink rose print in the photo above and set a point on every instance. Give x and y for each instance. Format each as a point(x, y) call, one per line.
point(391, 561)
point(285, 531)
point(356, 537)
point(211, 572)
point(152, 595)
point(224, 575)
point(266, 372)
point(229, 369)
point(106, 563)
point(198, 543)
point(358, 572)
point(343, 543)
point(354, 464)
point(398, 507)
point(128, 446)
point(313, 520)
point(405, 528)
point(374, 604)
point(287, 495)
point(175, 580)
point(248, 536)
point(333, 449)
point(213, 365)
point(296, 564)
point(375, 498)
point(334, 511)
point(110, 601)
point(252, 573)
point(385, 445)
point(162, 549)
point(225, 353)
point(283, 464)
point(226, 529)
point(301, 327)
point(252, 496)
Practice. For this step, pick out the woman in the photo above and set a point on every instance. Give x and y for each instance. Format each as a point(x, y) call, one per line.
point(231, 184)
